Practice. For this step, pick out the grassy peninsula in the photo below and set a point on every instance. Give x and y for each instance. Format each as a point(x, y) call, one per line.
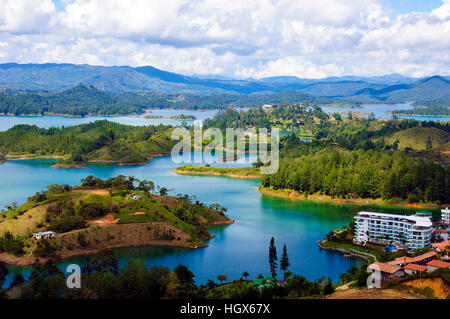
point(234, 172)
point(99, 214)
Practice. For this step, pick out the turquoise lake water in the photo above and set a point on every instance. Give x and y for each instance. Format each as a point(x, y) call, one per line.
point(239, 247)
point(6, 122)
point(382, 111)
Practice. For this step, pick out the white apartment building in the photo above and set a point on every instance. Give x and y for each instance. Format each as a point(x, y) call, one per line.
point(414, 231)
point(445, 216)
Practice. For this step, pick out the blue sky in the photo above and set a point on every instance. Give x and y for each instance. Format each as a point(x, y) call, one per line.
point(398, 6)
point(60, 5)
point(251, 38)
point(406, 6)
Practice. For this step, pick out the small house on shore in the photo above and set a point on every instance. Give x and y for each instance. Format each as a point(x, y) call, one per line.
point(45, 234)
point(386, 273)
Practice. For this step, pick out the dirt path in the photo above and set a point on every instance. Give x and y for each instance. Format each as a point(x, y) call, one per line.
point(365, 293)
point(107, 220)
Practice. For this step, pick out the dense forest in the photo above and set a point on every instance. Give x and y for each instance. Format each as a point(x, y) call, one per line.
point(81, 100)
point(100, 140)
point(363, 174)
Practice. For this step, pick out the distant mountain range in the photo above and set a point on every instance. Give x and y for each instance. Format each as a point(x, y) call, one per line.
point(392, 88)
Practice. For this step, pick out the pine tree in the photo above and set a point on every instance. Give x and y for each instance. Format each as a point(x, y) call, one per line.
point(284, 261)
point(273, 258)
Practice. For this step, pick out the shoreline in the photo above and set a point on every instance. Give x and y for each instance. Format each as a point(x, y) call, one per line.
point(353, 253)
point(230, 175)
point(402, 114)
point(68, 115)
point(293, 195)
point(28, 260)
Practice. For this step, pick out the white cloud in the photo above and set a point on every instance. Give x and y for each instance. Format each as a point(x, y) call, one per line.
point(253, 38)
point(26, 16)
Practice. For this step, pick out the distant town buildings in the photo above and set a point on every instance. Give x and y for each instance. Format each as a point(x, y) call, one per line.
point(412, 231)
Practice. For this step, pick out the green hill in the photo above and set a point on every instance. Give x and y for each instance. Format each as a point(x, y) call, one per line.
point(117, 212)
point(417, 137)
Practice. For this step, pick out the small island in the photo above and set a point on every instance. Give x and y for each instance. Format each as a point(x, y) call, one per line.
point(179, 117)
point(96, 142)
point(65, 221)
point(233, 172)
point(183, 117)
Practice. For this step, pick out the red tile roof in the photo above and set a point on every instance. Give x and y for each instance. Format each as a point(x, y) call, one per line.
point(415, 267)
point(441, 246)
point(440, 231)
point(395, 262)
point(384, 267)
point(404, 260)
point(427, 255)
point(438, 264)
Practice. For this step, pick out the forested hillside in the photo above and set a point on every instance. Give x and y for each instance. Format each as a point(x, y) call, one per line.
point(81, 100)
point(85, 100)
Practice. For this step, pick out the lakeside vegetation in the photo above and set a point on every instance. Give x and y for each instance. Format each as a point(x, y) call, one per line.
point(102, 278)
point(98, 141)
point(117, 212)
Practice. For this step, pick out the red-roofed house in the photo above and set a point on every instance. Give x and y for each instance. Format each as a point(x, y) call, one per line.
point(411, 269)
point(437, 264)
point(424, 258)
point(401, 261)
point(386, 273)
point(440, 246)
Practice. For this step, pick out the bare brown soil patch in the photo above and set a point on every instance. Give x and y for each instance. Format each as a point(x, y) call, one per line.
point(365, 293)
point(440, 287)
point(107, 220)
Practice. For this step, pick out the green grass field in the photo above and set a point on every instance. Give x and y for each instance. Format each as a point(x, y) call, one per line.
point(416, 138)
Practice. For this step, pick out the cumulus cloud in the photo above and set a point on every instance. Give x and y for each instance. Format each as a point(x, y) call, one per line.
point(253, 38)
